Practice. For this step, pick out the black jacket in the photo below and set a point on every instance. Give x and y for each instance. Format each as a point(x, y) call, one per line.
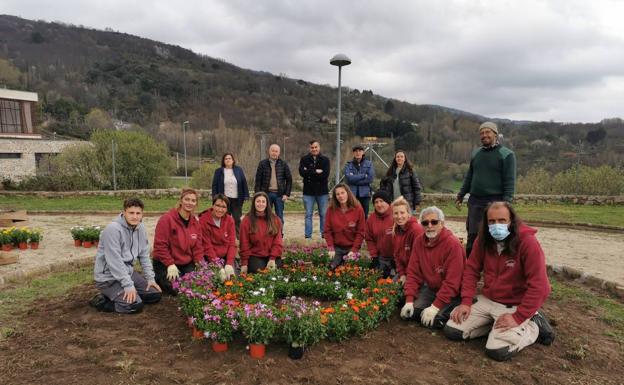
point(409, 184)
point(313, 183)
point(282, 173)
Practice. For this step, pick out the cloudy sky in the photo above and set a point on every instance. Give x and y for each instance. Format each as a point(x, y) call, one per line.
point(523, 59)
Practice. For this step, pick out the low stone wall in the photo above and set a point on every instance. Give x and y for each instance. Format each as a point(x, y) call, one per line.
point(427, 198)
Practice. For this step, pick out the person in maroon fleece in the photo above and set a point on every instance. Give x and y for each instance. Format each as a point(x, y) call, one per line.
point(177, 242)
point(260, 237)
point(406, 229)
point(379, 234)
point(345, 225)
point(219, 235)
point(515, 286)
point(434, 272)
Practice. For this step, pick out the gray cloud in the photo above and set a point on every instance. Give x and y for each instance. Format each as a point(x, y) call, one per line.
point(561, 60)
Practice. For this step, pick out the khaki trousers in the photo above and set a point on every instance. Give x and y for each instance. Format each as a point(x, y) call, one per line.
point(483, 314)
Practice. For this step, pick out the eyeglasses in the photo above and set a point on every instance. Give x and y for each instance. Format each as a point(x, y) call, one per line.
point(434, 222)
point(221, 206)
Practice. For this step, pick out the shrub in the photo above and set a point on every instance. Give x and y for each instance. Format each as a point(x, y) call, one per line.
point(584, 180)
point(202, 177)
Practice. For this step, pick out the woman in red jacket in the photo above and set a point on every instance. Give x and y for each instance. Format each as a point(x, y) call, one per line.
point(219, 235)
point(260, 237)
point(379, 234)
point(345, 225)
point(406, 229)
point(177, 242)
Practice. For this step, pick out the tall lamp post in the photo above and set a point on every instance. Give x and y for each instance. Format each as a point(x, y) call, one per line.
point(184, 124)
point(339, 60)
point(285, 138)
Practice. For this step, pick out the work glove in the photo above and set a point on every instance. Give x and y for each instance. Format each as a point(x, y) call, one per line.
point(408, 310)
point(271, 264)
point(222, 275)
point(350, 254)
point(244, 269)
point(173, 272)
point(402, 279)
point(427, 315)
point(331, 253)
point(229, 271)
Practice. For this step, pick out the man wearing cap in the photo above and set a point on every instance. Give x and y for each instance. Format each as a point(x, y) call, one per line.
point(491, 177)
point(359, 174)
point(379, 231)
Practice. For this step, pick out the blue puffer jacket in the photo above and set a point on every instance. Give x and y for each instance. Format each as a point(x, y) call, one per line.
point(360, 178)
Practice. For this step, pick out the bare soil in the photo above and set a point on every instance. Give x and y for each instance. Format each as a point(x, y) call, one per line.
point(595, 253)
point(67, 342)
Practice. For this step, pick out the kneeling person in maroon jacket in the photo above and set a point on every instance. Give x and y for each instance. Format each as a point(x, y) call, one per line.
point(260, 237)
point(434, 272)
point(177, 242)
point(515, 286)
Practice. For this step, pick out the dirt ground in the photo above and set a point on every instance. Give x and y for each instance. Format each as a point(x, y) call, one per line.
point(68, 342)
point(595, 253)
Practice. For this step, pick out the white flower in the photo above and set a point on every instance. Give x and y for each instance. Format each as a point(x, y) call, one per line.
point(314, 277)
point(303, 279)
point(273, 279)
point(262, 290)
point(286, 279)
point(255, 292)
point(349, 295)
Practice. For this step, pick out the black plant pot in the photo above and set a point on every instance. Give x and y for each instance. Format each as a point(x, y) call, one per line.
point(295, 353)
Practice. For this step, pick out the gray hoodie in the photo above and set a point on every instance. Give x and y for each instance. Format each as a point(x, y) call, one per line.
point(120, 247)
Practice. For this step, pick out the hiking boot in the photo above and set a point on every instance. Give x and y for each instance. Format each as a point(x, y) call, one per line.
point(546, 332)
point(102, 303)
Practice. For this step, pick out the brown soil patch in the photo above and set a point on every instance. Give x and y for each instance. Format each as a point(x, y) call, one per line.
point(68, 342)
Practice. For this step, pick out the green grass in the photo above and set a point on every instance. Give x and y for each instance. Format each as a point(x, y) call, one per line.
point(20, 299)
point(609, 311)
point(568, 213)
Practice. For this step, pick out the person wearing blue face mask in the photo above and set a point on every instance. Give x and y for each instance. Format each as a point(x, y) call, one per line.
point(515, 287)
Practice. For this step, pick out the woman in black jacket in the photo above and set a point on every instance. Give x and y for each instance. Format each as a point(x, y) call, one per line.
point(401, 180)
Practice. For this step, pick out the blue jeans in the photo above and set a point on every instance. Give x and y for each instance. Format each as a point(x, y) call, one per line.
point(308, 204)
point(275, 200)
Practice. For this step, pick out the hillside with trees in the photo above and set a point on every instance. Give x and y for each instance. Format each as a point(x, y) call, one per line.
point(90, 79)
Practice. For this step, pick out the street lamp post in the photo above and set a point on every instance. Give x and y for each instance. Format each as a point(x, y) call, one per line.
point(285, 138)
point(184, 124)
point(339, 60)
point(199, 150)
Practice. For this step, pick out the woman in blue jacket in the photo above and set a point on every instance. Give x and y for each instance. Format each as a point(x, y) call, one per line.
point(229, 180)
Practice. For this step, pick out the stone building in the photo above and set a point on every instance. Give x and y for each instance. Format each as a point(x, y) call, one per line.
point(21, 146)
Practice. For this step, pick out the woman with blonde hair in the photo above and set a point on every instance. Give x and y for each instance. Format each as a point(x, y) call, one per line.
point(260, 237)
point(406, 229)
point(345, 225)
point(177, 242)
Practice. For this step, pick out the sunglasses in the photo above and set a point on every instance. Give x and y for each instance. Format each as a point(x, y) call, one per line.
point(434, 222)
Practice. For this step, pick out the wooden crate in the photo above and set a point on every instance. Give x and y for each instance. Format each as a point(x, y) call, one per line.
point(14, 218)
point(8, 258)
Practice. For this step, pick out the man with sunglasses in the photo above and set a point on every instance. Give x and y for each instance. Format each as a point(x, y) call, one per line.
point(434, 272)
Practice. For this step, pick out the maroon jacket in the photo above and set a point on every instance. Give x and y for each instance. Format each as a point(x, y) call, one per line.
point(517, 280)
point(403, 239)
point(439, 263)
point(218, 241)
point(379, 234)
point(260, 243)
point(346, 229)
point(175, 243)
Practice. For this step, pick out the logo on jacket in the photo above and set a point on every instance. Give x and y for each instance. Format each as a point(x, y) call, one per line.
point(439, 270)
point(225, 234)
point(408, 247)
point(193, 236)
point(389, 231)
point(351, 224)
point(510, 263)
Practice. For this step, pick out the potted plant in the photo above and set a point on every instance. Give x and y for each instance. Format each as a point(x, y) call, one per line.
point(76, 233)
point(91, 236)
point(258, 323)
point(219, 322)
point(20, 237)
point(302, 326)
point(6, 240)
point(35, 238)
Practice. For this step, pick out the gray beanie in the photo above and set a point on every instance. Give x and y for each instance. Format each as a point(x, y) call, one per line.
point(491, 125)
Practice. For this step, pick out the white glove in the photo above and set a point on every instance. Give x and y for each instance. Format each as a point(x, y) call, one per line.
point(331, 253)
point(271, 264)
point(229, 271)
point(222, 275)
point(427, 315)
point(350, 254)
point(244, 269)
point(172, 272)
point(408, 310)
point(402, 279)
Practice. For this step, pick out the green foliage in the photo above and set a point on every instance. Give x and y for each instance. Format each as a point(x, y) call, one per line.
point(603, 180)
point(202, 177)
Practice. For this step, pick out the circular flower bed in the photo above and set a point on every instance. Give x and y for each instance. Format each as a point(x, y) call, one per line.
point(300, 304)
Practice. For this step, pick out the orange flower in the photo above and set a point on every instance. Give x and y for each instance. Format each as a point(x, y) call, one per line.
point(323, 319)
point(375, 307)
point(356, 318)
point(385, 300)
point(217, 293)
point(376, 290)
point(240, 284)
point(355, 308)
point(328, 310)
point(249, 279)
point(228, 283)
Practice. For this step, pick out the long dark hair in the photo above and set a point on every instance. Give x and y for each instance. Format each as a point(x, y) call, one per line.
point(351, 200)
point(487, 242)
point(223, 159)
point(408, 165)
point(268, 214)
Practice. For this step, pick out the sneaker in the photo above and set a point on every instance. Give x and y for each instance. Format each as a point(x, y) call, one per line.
point(546, 332)
point(102, 303)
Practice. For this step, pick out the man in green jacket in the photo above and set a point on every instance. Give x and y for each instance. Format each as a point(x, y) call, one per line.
point(491, 177)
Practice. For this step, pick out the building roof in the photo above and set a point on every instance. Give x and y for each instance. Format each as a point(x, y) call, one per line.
point(18, 95)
